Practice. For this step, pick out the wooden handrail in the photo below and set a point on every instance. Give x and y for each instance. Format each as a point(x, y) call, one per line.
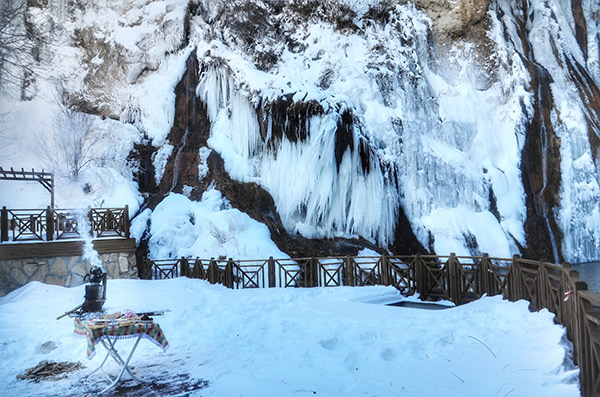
point(58, 224)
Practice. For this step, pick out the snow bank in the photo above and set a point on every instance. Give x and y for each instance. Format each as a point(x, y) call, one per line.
point(287, 342)
point(208, 228)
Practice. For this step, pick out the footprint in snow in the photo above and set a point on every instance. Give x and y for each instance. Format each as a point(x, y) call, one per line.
point(329, 344)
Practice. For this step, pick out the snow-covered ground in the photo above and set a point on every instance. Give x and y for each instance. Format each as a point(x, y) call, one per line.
point(296, 342)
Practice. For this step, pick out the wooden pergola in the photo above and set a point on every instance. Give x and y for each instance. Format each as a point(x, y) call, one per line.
point(46, 179)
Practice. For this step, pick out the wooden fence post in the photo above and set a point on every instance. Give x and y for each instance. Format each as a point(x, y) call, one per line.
point(229, 274)
point(184, 267)
point(52, 190)
point(349, 271)
point(213, 272)
point(564, 288)
point(515, 280)
point(581, 346)
point(384, 270)
point(313, 272)
point(271, 271)
point(198, 271)
point(152, 267)
point(420, 277)
point(4, 224)
point(126, 221)
point(485, 280)
point(542, 294)
point(453, 282)
point(49, 224)
point(570, 308)
point(109, 221)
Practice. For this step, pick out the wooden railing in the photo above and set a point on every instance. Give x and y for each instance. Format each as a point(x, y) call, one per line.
point(54, 224)
point(455, 278)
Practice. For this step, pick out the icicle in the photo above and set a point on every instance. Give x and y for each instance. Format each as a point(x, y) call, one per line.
point(318, 193)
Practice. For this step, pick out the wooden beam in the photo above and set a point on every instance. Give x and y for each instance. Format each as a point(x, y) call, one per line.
point(64, 248)
point(44, 178)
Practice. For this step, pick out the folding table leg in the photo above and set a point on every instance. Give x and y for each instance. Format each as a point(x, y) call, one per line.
point(101, 365)
point(112, 352)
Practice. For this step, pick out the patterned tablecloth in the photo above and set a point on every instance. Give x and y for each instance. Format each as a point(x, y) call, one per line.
point(95, 331)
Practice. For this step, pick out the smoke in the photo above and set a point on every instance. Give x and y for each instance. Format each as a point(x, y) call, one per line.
point(85, 229)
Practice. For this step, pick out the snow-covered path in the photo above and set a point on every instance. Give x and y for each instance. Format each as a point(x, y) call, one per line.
point(293, 342)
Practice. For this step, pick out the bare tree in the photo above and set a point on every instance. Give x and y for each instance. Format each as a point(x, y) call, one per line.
point(5, 140)
point(20, 44)
point(68, 146)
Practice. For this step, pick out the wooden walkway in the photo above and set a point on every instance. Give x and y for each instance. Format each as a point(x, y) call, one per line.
point(458, 279)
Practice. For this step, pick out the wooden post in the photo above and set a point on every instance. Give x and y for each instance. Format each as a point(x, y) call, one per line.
point(486, 283)
point(453, 283)
point(109, 221)
point(152, 267)
point(579, 327)
point(542, 293)
point(4, 224)
point(563, 288)
point(52, 190)
point(420, 277)
point(313, 272)
point(184, 267)
point(126, 221)
point(49, 224)
point(515, 280)
point(271, 271)
point(570, 307)
point(349, 271)
point(384, 270)
point(198, 270)
point(579, 331)
point(212, 271)
point(229, 274)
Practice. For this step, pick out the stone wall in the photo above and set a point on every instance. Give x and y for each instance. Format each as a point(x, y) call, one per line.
point(65, 271)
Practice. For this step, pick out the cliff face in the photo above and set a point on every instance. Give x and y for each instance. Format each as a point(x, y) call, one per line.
point(443, 126)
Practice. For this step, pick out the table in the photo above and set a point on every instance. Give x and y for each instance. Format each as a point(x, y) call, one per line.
point(108, 332)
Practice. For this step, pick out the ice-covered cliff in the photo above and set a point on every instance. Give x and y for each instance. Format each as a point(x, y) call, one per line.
point(443, 126)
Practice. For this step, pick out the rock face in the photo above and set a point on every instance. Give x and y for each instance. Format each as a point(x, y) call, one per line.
point(462, 126)
point(454, 17)
point(190, 133)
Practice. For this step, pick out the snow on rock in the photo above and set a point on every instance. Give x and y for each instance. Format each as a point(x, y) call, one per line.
point(416, 131)
point(208, 228)
point(286, 342)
